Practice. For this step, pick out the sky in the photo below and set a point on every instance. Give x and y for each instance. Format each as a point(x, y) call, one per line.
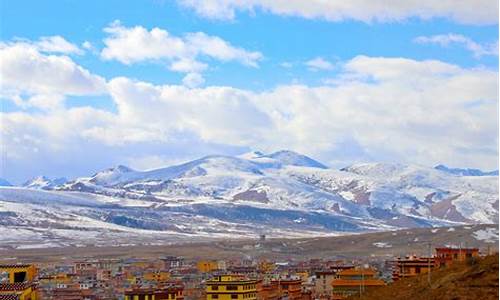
point(86, 85)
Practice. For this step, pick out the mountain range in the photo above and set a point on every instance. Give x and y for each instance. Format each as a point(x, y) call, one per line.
point(278, 194)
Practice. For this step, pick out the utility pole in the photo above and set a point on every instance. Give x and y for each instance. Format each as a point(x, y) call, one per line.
point(429, 264)
point(460, 248)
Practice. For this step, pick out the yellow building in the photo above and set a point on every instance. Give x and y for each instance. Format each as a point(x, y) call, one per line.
point(16, 282)
point(157, 276)
point(231, 287)
point(206, 266)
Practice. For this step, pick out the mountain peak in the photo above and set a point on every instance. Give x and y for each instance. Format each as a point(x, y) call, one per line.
point(288, 157)
point(43, 182)
point(251, 155)
point(465, 172)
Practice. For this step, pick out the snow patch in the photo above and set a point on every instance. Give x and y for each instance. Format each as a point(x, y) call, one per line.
point(382, 245)
point(488, 235)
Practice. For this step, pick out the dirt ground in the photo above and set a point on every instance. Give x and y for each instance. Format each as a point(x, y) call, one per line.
point(472, 281)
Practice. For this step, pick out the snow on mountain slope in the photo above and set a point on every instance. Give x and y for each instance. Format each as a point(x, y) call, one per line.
point(378, 190)
point(24, 195)
point(282, 192)
point(44, 183)
point(282, 158)
point(209, 165)
point(465, 172)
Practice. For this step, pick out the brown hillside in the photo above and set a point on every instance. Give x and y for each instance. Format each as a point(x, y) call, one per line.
point(475, 280)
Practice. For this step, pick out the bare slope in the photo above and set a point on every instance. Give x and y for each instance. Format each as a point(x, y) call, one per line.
point(471, 281)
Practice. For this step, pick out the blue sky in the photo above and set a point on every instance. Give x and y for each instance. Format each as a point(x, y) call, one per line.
point(279, 70)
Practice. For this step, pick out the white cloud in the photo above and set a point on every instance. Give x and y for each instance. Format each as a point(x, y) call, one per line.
point(393, 109)
point(87, 45)
point(26, 71)
point(193, 80)
point(444, 40)
point(136, 44)
point(462, 11)
point(319, 63)
point(57, 44)
point(187, 65)
point(217, 48)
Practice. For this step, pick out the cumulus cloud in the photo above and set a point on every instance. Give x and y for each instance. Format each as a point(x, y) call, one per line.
point(445, 40)
point(183, 54)
point(57, 44)
point(43, 78)
point(319, 63)
point(462, 11)
point(393, 109)
point(193, 80)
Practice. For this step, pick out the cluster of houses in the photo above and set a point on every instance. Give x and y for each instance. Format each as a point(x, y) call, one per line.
point(175, 278)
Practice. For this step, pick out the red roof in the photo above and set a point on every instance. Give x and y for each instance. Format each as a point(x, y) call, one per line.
point(9, 297)
point(18, 286)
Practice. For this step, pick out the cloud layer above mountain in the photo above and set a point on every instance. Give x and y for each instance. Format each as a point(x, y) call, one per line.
point(375, 108)
point(462, 11)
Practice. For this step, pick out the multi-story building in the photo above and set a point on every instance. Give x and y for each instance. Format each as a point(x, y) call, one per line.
point(323, 283)
point(412, 266)
point(446, 256)
point(353, 282)
point(172, 292)
point(231, 287)
point(268, 291)
point(17, 282)
point(290, 288)
point(206, 266)
point(172, 262)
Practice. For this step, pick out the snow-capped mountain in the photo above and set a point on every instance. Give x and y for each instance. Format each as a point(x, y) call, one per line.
point(282, 193)
point(465, 172)
point(44, 183)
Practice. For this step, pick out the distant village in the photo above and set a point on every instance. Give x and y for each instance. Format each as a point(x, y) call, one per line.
point(178, 278)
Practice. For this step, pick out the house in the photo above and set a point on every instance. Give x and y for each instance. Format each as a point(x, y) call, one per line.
point(17, 282)
point(231, 287)
point(290, 288)
point(351, 282)
point(206, 266)
point(171, 292)
point(446, 256)
point(412, 266)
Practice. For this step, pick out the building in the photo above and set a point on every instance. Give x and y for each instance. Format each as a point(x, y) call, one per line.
point(446, 256)
point(269, 291)
point(412, 266)
point(17, 282)
point(173, 292)
point(205, 266)
point(172, 262)
point(353, 282)
point(156, 276)
point(324, 278)
point(231, 287)
point(290, 288)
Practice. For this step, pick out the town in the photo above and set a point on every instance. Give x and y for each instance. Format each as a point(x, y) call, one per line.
point(177, 278)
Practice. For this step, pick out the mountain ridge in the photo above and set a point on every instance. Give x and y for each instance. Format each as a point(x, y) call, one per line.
point(279, 194)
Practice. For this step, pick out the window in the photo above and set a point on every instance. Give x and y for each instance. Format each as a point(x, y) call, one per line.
point(232, 288)
point(19, 276)
point(455, 256)
point(215, 287)
point(215, 296)
point(234, 296)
